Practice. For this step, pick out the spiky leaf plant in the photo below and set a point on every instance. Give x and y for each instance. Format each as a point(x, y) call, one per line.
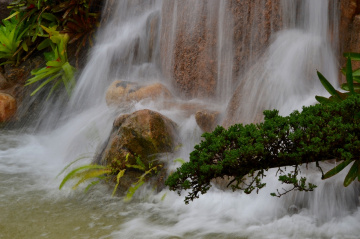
point(96, 173)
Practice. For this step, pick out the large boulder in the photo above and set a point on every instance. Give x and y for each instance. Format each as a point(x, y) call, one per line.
point(8, 107)
point(143, 134)
point(120, 92)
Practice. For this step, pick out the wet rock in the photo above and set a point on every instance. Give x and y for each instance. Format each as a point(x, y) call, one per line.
point(20, 74)
point(8, 107)
point(3, 82)
point(121, 92)
point(144, 134)
point(348, 10)
point(197, 58)
point(293, 209)
point(207, 119)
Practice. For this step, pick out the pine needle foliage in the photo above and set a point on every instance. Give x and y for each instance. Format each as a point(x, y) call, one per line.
point(319, 132)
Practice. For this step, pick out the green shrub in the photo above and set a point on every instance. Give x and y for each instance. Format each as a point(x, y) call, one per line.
point(58, 69)
point(319, 132)
point(11, 40)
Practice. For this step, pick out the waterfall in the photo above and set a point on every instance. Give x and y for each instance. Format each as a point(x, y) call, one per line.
point(238, 57)
point(285, 76)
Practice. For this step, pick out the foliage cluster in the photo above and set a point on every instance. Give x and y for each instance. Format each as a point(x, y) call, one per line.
point(37, 25)
point(319, 132)
point(97, 173)
point(328, 130)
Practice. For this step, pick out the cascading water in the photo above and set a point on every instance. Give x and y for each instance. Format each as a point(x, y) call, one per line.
point(128, 48)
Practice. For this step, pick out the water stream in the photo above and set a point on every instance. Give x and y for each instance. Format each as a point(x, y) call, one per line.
point(31, 206)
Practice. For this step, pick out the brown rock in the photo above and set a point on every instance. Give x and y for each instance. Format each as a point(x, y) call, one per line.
point(348, 10)
point(19, 74)
point(3, 82)
point(207, 120)
point(143, 134)
point(7, 107)
point(121, 92)
point(196, 49)
point(354, 41)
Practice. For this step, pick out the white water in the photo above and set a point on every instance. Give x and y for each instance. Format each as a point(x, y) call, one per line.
point(31, 206)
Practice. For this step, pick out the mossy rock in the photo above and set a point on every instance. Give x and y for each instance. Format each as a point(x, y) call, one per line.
point(144, 134)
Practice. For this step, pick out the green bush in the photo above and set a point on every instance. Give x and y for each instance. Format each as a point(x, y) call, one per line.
point(319, 132)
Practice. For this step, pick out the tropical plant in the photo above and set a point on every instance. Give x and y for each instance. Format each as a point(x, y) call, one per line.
point(97, 173)
point(81, 29)
point(11, 40)
point(71, 16)
point(351, 88)
point(58, 69)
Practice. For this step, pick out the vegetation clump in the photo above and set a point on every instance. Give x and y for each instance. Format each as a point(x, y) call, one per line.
point(325, 131)
point(37, 25)
point(94, 174)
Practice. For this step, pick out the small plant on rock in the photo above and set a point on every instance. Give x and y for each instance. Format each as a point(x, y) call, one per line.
point(58, 69)
point(98, 173)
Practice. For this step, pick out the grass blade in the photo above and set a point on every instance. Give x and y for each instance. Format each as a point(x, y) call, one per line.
point(328, 86)
point(352, 174)
point(337, 169)
point(349, 76)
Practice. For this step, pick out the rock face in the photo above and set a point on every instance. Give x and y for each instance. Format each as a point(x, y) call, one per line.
point(142, 134)
point(8, 107)
point(120, 92)
point(350, 28)
point(204, 43)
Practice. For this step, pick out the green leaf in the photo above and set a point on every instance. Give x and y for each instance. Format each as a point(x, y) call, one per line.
point(93, 183)
point(132, 190)
point(352, 55)
point(328, 86)
point(90, 174)
point(323, 100)
point(356, 72)
point(25, 47)
point(118, 176)
point(74, 172)
point(49, 56)
point(49, 16)
point(349, 76)
point(182, 161)
point(44, 44)
point(345, 86)
point(12, 15)
point(140, 163)
point(352, 174)
point(337, 169)
point(76, 160)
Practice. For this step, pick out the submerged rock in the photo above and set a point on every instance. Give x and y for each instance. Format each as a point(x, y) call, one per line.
point(8, 107)
point(144, 134)
point(121, 92)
